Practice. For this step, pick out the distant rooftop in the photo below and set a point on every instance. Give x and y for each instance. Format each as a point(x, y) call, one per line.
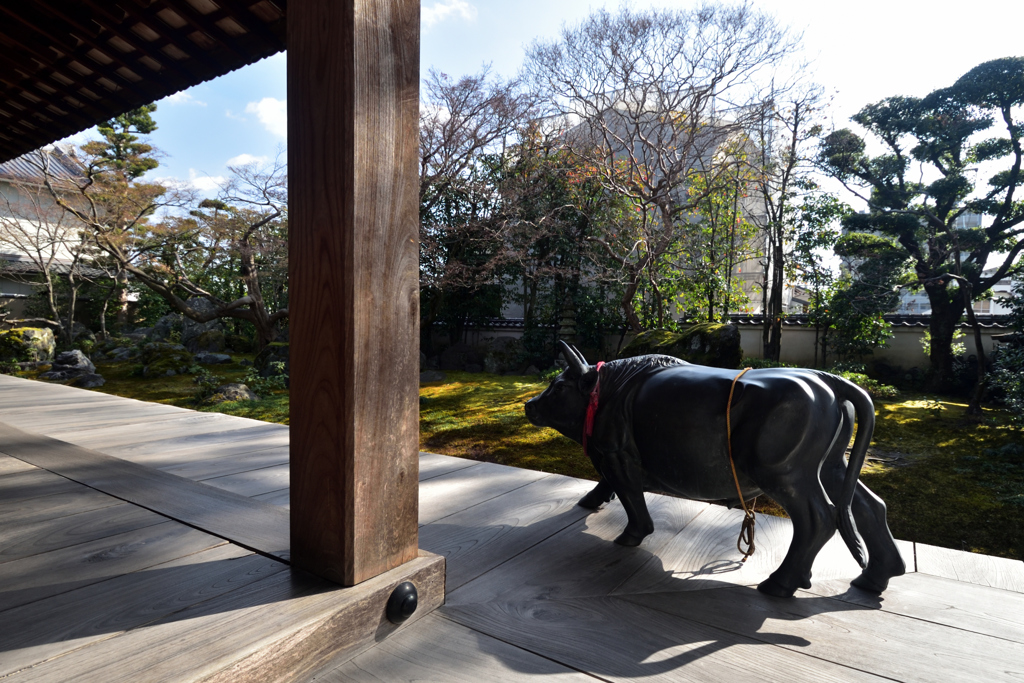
point(63, 165)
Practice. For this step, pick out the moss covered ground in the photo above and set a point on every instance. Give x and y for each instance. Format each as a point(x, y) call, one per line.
point(947, 481)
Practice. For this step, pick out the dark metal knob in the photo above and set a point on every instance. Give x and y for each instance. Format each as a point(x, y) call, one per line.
point(402, 603)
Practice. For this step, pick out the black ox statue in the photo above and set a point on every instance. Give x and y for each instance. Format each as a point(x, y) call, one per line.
point(659, 424)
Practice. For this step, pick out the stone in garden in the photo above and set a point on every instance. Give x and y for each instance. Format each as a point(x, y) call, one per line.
point(69, 365)
point(267, 360)
point(161, 331)
point(233, 392)
point(458, 356)
point(432, 376)
point(90, 381)
point(121, 353)
point(205, 358)
point(160, 357)
point(33, 344)
point(80, 331)
point(245, 363)
point(531, 370)
point(208, 336)
point(712, 344)
point(503, 354)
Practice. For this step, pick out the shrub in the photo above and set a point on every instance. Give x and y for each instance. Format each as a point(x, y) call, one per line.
point(265, 385)
point(874, 388)
point(206, 383)
point(762, 363)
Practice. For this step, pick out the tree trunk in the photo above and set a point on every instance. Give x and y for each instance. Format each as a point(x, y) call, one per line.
point(945, 316)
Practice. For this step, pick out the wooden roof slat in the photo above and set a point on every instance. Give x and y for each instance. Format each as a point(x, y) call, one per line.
point(65, 66)
point(64, 60)
point(61, 33)
point(107, 34)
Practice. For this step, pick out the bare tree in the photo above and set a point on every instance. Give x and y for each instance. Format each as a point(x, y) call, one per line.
point(649, 98)
point(46, 238)
point(783, 137)
point(466, 125)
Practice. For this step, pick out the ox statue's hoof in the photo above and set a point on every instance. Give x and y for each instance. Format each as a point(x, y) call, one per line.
point(771, 587)
point(593, 500)
point(869, 584)
point(629, 540)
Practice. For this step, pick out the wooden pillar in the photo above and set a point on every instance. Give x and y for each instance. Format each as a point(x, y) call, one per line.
point(353, 113)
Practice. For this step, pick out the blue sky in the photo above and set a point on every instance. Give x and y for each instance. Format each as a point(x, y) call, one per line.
point(862, 51)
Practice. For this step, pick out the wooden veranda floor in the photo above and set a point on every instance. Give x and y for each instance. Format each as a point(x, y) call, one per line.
point(109, 572)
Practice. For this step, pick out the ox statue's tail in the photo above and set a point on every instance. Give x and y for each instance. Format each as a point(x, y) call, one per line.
point(865, 411)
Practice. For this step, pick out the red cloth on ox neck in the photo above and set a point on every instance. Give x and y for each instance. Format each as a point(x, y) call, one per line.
point(588, 423)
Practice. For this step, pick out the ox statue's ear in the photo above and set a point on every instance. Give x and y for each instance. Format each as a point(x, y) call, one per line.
point(573, 358)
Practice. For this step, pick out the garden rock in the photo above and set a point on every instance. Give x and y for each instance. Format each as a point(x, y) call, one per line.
point(90, 381)
point(503, 354)
point(161, 331)
point(204, 358)
point(233, 392)
point(208, 336)
point(432, 376)
point(712, 344)
point(29, 344)
point(266, 360)
point(69, 365)
point(458, 356)
point(164, 359)
point(121, 353)
point(80, 331)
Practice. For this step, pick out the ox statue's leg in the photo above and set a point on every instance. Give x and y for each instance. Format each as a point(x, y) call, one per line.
point(884, 559)
point(813, 525)
point(622, 472)
point(598, 496)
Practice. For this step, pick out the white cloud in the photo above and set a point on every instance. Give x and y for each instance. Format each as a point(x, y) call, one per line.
point(206, 183)
point(183, 97)
point(444, 9)
point(272, 113)
point(246, 159)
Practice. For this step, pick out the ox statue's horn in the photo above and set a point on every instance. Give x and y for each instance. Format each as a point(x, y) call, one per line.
point(573, 358)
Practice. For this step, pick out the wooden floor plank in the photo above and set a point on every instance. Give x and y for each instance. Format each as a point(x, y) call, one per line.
point(48, 628)
point(25, 540)
point(453, 492)
point(290, 619)
point(247, 522)
point(238, 439)
point(439, 649)
point(581, 560)
point(188, 424)
point(984, 570)
point(68, 502)
point(253, 482)
point(706, 549)
point(89, 416)
point(434, 465)
point(34, 483)
point(619, 641)
point(9, 465)
point(59, 571)
point(486, 535)
point(280, 498)
point(222, 465)
point(864, 639)
point(981, 609)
